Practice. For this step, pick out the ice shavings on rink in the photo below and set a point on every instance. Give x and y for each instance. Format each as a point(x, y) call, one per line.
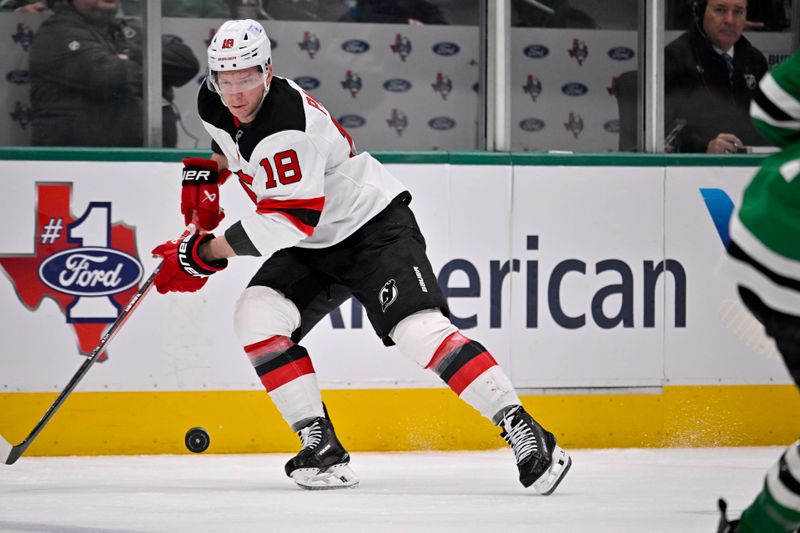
point(636, 490)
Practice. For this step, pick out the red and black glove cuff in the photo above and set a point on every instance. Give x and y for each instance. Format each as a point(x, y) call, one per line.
point(189, 259)
point(199, 171)
point(200, 192)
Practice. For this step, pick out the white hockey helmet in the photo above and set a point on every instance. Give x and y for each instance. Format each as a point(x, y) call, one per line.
point(238, 45)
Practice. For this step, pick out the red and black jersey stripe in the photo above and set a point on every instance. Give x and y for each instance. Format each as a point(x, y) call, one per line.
point(304, 213)
point(459, 361)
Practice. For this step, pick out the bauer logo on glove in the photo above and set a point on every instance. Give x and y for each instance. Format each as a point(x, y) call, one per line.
point(182, 269)
point(200, 192)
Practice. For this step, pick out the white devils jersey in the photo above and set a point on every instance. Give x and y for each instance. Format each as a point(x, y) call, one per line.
point(300, 169)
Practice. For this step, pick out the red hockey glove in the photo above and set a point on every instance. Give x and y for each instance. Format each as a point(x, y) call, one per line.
point(182, 269)
point(200, 192)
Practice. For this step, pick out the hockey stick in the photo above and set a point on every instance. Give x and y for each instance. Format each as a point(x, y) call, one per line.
point(747, 329)
point(8, 453)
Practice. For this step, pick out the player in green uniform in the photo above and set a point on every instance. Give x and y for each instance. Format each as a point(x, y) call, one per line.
point(764, 259)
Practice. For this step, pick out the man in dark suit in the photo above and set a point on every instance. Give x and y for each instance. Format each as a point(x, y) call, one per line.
point(711, 75)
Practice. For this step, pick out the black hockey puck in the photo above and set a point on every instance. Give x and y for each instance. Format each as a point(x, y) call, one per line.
point(197, 440)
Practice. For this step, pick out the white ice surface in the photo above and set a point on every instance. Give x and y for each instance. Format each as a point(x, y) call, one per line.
point(651, 490)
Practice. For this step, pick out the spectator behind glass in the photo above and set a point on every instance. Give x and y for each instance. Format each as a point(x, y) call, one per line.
point(86, 78)
point(708, 92)
point(394, 12)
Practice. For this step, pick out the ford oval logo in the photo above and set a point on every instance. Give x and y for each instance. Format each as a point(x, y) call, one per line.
point(442, 123)
point(19, 77)
point(355, 46)
point(91, 271)
point(536, 51)
point(446, 49)
point(574, 89)
point(307, 83)
point(352, 121)
point(397, 85)
point(531, 124)
point(621, 53)
point(611, 126)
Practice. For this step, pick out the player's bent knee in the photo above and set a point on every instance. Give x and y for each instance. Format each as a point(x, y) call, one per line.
point(261, 313)
point(420, 335)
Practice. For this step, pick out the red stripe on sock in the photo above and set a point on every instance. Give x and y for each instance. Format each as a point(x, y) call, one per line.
point(449, 345)
point(470, 371)
point(278, 343)
point(283, 375)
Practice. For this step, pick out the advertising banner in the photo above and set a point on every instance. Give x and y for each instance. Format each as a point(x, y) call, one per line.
point(572, 277)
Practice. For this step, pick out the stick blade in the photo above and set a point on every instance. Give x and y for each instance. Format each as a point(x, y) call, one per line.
point(5, 452)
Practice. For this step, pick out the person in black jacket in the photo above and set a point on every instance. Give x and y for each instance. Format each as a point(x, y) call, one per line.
point(707, 95)
point(87, 78)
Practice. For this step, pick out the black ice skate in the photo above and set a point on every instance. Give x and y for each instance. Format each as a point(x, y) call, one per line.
point(541, 463)
point(726, 526)
point(323, 461)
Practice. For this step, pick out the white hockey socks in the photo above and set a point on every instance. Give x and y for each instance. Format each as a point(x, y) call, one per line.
point(471, 371)
point(287, 374)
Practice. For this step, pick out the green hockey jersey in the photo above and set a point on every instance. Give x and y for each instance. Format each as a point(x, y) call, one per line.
point(776, 106)
point(764, 247)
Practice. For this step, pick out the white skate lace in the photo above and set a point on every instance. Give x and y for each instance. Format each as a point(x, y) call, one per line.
point(310, 435)
point(520, 438)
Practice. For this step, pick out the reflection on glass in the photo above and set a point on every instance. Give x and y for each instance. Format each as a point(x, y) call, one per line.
point(86, 77)
point(394, 12)
point(569, 90)
point(391, 85)
point(549, 14)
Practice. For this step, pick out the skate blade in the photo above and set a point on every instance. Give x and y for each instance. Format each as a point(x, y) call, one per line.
point(339, 476)
point(560, 465)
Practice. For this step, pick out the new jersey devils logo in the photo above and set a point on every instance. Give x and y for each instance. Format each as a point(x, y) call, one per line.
point(387, 294)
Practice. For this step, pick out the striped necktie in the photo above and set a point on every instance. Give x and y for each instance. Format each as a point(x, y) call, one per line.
point(728, 63)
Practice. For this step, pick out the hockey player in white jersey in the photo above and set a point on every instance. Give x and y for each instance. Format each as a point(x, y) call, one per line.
point(331, 223)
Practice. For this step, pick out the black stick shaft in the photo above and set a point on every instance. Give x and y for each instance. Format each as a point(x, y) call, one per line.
point(19, 449)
